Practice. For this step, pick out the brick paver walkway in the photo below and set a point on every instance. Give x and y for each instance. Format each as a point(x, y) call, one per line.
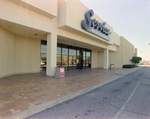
point(20, 92)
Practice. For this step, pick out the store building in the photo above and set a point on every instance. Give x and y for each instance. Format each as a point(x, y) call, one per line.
point(37, 34)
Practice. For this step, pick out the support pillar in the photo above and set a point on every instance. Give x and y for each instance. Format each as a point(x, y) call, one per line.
point(106, 59)
point(51, 54)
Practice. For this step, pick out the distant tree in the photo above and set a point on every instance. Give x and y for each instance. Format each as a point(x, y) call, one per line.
point(136, 60)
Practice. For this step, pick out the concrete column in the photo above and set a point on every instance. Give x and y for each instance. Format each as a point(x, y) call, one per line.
point(106, 59)
point(51, 54)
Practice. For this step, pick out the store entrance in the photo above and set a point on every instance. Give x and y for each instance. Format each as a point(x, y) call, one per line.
point(72, 62)
point(71, 57)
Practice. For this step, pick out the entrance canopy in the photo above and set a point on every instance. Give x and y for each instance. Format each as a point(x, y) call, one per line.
point(78, 43)
point(21, 30)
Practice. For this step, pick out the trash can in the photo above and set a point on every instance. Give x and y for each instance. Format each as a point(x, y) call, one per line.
point(112, 66)
point(59, 72)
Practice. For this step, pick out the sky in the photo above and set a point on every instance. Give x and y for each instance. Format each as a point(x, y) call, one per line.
point(128, 18)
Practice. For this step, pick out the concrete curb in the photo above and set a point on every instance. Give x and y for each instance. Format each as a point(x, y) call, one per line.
point(28, 112)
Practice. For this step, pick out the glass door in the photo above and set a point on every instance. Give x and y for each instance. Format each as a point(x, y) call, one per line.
point(43, 55)
point(72, 62)
point(79, 58)
point(88, 59)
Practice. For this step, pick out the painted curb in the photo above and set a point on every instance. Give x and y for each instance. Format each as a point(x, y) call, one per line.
point(36, 109)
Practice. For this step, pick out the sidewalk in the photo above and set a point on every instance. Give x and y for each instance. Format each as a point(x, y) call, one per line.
point(24, 95)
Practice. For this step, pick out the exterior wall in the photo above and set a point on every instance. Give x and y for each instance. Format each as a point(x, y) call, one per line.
point(112, 47)
point(7, 50)
point(135, 52)
point(62, 13)
point(94, 63)
point(45, 7)
point(101, 59)
point(128, 51)
point(115, 38)
point(116, 58)
point(27, 55)
point(20, 15)
point(18, 54)
point(123, 55)
point(97, 59)
point(52, 20)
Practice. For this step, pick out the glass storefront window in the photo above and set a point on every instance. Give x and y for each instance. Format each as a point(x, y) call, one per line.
point(65, 62)
point(83, 52)
point(58, 60)
point(58, 49)
point(72, 51)
point(74, 62)
point(65, 50)
point(69, 57)
point(78, 57)
point(88, 54)
point(84, 59)
point(59, 54)
point(88, 58)
point(65, 56)
point(43, 55)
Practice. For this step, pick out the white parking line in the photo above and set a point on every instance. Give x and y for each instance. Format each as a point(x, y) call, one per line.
point(123, 106)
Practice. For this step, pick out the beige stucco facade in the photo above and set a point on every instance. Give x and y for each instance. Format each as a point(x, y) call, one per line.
point(123, 54)
point(24, 23)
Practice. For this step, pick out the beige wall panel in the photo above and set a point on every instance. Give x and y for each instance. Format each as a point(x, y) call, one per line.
point(112, 47)
point(27, 55)
point(116, 58)
point(15, 13)
point(6, 53)
point(75, 15)
point(124, 53)
point(62, 11)
point(135, 52)
point(100, 59)
point(94, 59)
point(128, 51)
point(127, 55)
point(45, 7)
point(49, 6)
point(115, 38)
